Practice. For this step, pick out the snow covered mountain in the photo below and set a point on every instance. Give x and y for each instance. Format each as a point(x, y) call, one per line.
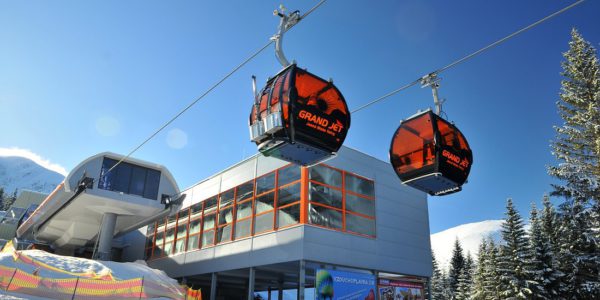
point(470, 236)
point(23, 173)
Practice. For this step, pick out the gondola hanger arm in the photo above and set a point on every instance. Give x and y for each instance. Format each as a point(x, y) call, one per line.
point(286, 22)
point(433, 81)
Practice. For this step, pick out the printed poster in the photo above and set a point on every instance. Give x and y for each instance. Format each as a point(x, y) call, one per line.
point(339, 285)
point(400, 290)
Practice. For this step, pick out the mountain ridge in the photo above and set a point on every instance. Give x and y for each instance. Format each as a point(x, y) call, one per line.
point(469, 235)
point(18, 173)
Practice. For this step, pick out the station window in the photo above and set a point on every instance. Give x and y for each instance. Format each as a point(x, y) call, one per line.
point(288, 215)
point(361, 186)
point(194, 234)
point(342, 201)
point(288, 196)
point(129, 179)
point(265, 183)
point(182, 230)
point(245, 191)
point(336, 199)
point(243, 208)
point(158, 250)
point(150, 242)
point(225, 216)
point(169, 240)
point(195, 226)
point(265, 203)
point(287, 175)
point(209, 221)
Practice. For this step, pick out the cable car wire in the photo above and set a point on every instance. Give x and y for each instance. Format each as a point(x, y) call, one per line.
point(469, 56)
point(210, 90)
point(381, 98)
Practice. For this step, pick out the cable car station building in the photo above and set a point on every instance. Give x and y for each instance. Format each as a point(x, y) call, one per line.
point(267, 226)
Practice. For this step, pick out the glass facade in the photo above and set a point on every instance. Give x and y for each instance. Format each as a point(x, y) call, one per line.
point(129, 179)
point(332, 198)
point(341, 200)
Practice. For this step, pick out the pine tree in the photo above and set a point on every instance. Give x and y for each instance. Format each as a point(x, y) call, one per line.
point(437, 281)
point(479, 292)
point(545, 283)
point(577, 148)
point(2, 198)
point(550, 224)
point(577, 142)
point(457, 263)
point(515, 274)
point(8, 201)
point(578, 256)
point(447, 293)
point(492, 283)
point(464, 288)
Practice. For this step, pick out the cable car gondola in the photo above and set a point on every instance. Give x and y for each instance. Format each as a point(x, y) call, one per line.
point(298, 116)
point(430, 153)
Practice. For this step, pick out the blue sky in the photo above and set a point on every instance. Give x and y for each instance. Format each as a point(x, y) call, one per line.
point(82, 77)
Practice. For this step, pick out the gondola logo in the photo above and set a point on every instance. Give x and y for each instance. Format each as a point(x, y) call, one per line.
point(321, 123)
point(451, 156)
point(336, 127)
point(313, 118)
point(455, 160)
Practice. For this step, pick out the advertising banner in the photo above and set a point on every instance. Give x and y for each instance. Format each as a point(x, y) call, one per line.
point(400, 290)
point(338, 285)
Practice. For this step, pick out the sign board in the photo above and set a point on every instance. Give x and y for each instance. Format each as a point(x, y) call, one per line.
point(339, 285)
point(396, 289)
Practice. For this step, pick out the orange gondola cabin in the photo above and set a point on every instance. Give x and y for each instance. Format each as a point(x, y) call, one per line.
point(299, 117)
point(431, 154)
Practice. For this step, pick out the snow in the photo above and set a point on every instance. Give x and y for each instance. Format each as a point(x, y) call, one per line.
point(71, 267)
point(470, 236)
point(120, 271)
point(44, 163)
point(18, 172)
point(68, 263)
point(16, 296)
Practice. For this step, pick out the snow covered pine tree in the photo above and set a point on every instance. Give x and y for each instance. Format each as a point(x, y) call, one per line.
point(457, 263)
point(577, 148)
point(515, 274)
